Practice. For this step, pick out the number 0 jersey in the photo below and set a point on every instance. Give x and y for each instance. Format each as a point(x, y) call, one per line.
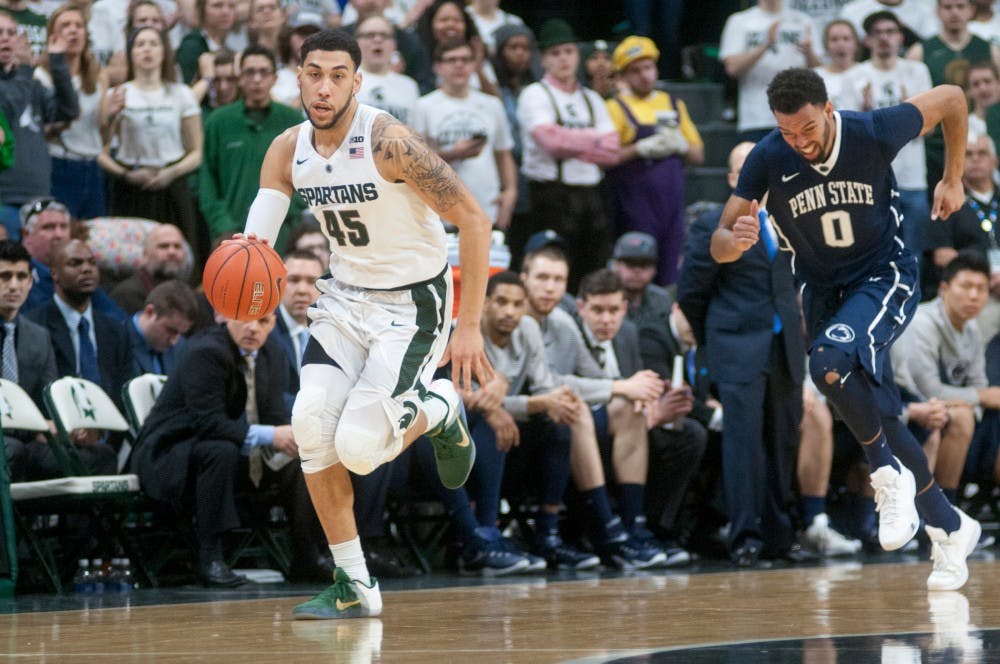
point(382, 235)
point(840, 219)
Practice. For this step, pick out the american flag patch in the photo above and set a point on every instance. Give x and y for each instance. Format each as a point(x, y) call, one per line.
point(356, 153)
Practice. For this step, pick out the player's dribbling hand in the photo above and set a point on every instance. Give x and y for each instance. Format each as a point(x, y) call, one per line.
point(747, 228)
point(245, 236)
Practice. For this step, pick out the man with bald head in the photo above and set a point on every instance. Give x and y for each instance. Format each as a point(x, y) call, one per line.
point(87, 343)
point(164, 257)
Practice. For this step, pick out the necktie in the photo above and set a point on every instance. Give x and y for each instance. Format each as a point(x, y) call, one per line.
point(599, 355)
point(256, 459)
point(9, 353)
point(88, 354)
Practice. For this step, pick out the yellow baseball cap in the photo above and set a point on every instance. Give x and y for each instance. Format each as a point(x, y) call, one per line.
point(634, 48)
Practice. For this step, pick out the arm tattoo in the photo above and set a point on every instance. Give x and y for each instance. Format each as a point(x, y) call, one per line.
point(403, 153)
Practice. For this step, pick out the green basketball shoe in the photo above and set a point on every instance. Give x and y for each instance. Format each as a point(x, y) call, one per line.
point(346, 598)
point(454, 450)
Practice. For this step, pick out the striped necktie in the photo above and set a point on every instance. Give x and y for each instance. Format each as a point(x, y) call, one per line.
point(9, 352)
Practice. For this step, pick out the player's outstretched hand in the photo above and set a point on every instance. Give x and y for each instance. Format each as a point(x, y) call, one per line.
point(468, 359)
point(747, 228)
point(948, 198)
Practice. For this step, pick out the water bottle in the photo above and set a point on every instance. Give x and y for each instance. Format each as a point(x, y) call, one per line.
point(97, 575)
point(499, 251)
point(126, 579)
point(83, 582)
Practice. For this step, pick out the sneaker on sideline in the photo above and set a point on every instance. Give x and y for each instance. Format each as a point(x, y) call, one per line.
point(949, 551)
point(822, 538)
point(346, 598)
point(560, 555)
point(490, 557)
point(895, 491)
point(453, 448)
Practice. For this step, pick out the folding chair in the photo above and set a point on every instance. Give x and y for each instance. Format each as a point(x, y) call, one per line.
point(17, 413)
point(139, 395)
point(75, 403)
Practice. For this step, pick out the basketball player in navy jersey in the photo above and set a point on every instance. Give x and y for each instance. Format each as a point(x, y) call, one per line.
point(380, 326)
point(831, 191)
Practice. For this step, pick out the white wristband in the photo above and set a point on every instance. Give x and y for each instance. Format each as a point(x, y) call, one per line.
point(267, 213)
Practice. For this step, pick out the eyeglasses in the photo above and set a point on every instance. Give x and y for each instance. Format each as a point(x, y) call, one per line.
point(257, 73)
point(457, 60)
point(375, 35)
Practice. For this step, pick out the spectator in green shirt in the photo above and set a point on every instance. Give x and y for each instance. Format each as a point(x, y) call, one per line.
point(236, 139)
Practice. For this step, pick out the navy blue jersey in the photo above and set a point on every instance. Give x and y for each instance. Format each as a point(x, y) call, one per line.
point(840, 218)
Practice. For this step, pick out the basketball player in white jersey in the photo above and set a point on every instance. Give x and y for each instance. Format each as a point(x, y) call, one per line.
point(380, 327)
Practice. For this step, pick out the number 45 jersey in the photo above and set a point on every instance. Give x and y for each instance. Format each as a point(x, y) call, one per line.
point(382, 235)
point(840, 219)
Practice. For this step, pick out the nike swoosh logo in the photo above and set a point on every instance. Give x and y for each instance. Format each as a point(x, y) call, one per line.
point(844, 379)
point(395, 324)
point(343, 606)
point(299, 162)
point(789, 178)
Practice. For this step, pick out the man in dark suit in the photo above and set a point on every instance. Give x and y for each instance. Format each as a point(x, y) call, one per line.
point(87, 344)
point(45, 224)
point(291, 330)
point(746, 316)
point(614, 344)
point(34, 364)
point(156, 331)
point(222, 418)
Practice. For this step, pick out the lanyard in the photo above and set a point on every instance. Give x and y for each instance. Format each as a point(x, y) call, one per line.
point(987, 220)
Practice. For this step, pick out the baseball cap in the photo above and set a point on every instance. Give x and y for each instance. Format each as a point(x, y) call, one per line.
point(554, 32)
point(634, 48)
point(543, 239)
point(636, 246)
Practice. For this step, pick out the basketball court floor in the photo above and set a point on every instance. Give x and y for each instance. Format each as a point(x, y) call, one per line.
point(848, 612)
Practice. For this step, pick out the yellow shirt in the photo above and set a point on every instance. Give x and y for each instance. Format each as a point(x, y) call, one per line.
point(644, 110)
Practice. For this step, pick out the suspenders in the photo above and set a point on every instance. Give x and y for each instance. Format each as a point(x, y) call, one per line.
point(559, 119)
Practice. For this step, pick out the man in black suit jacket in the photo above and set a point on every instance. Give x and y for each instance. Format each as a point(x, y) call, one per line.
point(746, 316)
point(35, 365)
point(155, 332)
point(193, 449)
point(66, 316)
point(676, 453)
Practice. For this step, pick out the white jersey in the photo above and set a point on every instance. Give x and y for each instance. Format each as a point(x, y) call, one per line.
point(382, 235)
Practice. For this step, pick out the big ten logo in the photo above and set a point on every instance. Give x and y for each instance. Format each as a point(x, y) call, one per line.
point(357, 139)
point(256, 298)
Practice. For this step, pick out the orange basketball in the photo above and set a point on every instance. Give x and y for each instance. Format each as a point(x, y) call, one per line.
point(244, 279)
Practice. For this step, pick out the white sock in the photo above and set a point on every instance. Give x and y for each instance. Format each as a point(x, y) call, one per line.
point(349, 557)
point(435, 409)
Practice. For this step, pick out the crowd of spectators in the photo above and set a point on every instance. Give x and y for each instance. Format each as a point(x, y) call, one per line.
point(638, 428)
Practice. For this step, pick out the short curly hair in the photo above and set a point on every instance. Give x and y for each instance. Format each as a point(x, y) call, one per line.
point(793, 88)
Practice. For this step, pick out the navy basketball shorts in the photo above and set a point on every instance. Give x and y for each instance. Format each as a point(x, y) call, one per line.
point(865, 318)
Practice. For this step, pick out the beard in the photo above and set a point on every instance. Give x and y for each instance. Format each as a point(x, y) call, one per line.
point(336, 116)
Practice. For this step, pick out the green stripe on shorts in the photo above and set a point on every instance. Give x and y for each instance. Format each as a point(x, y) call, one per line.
point(430, 313)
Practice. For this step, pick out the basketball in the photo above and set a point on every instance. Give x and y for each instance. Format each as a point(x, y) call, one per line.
point(244, 279)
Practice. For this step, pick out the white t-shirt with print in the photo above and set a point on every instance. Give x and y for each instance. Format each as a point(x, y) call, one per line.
point(888, 88)
point(745, 31)
point(149, 132)
point(579, 109)
point(394, 93)
point(445, 120)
